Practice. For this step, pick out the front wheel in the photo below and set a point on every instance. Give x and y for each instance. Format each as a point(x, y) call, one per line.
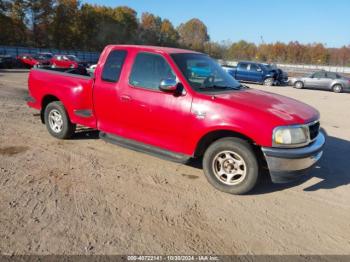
point(230, 165)
point(298, 85)
point(268, 82)
point(57, 121)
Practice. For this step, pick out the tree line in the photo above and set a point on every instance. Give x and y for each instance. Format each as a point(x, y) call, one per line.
point(69, 24)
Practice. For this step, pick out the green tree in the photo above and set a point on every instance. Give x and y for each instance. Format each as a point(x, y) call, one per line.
point(214, 50)
point(193, 34)
point(168, 34)
point(318, 54)
point(103, 25)
point(65, 26)
point(278, 52)
point(339, 56)
point(88, 22)
point(108, 25)
point(12, 22)
point(242, 50)
point(149, 29)
point(263, 52)
point(294, 52)
point(41, 17)
point(127, 24)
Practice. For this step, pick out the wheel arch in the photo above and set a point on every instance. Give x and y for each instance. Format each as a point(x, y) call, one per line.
point(337, 83)
point(47, 99)
point(212, 136)
point(206, 140)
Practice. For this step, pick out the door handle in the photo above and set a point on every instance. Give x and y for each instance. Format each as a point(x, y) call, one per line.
point(125, 98)
point(146, 107)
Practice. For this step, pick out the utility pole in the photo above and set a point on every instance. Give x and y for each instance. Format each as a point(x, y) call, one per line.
point(262, 40)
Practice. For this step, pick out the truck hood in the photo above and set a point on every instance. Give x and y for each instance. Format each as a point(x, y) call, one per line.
point(281, 109)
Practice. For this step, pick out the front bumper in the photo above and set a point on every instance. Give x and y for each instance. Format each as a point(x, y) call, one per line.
point(288, 164)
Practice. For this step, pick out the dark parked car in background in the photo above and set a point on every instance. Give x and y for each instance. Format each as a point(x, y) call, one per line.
point(46, 56)
point(7, 61)
point(261, 73)
point(322, 80)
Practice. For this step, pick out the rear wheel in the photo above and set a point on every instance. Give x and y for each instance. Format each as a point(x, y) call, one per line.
point(268, 82)
point(299, 85)
point(57, 121)
point(337, 88)
point(230, 165)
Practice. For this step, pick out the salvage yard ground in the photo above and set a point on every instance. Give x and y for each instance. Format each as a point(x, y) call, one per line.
point(84, 196)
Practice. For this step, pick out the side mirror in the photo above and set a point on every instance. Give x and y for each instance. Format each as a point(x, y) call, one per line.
point(258, 69)
point(168, 85)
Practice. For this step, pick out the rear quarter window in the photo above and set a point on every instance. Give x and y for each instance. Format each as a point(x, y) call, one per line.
point(113, 66)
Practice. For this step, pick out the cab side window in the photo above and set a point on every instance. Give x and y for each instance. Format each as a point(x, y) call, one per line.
point(113, 66)
point(319, 75)
point(149, 70)
point(332, 75)
point(243, 66)
point(254, 68)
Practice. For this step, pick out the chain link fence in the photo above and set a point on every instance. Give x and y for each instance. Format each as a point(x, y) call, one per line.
point(301, 69)
point(90, 57)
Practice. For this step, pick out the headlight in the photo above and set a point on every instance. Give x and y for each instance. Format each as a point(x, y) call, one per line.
point(291, 136)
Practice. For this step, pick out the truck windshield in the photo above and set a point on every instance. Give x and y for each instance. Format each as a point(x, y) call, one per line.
point(203, 73)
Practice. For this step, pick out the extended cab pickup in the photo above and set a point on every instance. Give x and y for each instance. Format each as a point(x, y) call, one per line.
point(148, 99)
point(265, 74)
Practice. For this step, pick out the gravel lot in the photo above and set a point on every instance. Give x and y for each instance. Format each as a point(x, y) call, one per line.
point(84, 196)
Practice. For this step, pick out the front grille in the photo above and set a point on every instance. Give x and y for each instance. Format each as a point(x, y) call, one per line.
point(314, 129)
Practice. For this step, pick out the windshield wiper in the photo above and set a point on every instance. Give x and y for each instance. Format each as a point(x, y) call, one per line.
point(221, 87)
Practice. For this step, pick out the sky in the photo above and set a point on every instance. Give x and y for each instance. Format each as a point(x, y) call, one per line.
point(306, 21)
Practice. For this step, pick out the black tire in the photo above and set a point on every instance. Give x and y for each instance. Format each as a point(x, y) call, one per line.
point(240, 148)
point(337, 88)
point(298, 85)
point(65, 128)
point(268, 81)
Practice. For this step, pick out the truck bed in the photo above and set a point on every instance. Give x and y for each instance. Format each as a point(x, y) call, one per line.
point(74, 71)
point(72, 87)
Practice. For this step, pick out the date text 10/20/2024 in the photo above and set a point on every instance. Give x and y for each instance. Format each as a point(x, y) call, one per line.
point(173, 258)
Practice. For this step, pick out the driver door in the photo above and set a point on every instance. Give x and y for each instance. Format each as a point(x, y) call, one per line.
point(153, 116)
point(66, 62)
point(317, 80)
point(255, 73)
point(58, 61)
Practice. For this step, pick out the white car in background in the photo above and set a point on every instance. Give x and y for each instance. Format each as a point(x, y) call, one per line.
point(91, 69)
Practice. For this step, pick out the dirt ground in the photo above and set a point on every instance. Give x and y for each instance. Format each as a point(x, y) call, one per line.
point(84, 196)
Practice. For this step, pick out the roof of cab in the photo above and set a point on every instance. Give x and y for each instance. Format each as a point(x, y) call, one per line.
point(161, 49)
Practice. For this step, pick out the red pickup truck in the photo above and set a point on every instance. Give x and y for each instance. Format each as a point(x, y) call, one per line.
point(148, 99)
